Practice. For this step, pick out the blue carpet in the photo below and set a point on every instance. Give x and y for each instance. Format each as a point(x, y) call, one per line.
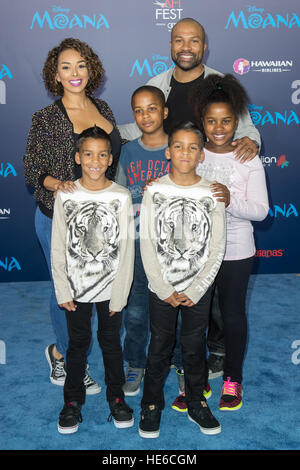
point(268, 420)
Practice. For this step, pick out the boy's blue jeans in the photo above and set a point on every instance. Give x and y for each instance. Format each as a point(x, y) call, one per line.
point(136, 316)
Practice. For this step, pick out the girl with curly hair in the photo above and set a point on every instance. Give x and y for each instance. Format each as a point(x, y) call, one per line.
point(72, 72)
point(218, 104)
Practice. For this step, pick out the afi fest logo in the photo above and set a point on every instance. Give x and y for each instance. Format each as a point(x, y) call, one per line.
point(4, 72)
point(168, 13)
point(258, 18)
point(61, 18)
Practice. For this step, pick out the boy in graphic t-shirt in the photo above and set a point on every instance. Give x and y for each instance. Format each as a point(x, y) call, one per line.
point(92, 254)
point(182, 240)
point(140, 160)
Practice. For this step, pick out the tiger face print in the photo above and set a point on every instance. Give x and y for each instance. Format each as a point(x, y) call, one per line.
point(92, 246)
point(182, 229)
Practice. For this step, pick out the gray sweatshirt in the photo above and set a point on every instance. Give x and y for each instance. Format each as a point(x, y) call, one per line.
point(182, 236)
point(92, 250)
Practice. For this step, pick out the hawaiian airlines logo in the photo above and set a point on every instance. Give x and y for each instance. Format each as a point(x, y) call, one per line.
point(242, 66)
point(257, 18)
point(168, 12)
point(261, 117)
point(62, 18)
point(4, 73)
point(154, 66)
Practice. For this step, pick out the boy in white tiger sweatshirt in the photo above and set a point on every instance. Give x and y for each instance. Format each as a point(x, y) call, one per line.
point(92, 255)
point(182, 236)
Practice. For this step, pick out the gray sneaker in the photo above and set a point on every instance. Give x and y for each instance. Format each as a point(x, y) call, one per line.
point(215, 364)
point(133, 378)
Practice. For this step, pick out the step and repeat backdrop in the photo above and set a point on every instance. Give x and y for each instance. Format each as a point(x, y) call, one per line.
point(257, 41)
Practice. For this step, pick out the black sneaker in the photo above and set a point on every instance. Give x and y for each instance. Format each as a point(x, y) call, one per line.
point(215, 364)
point(149, 422)
point(120, 413)
point(205, 419)
point(57, 367)
point(69, 418)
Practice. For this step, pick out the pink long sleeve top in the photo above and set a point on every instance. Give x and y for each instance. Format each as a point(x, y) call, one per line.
point(248, 198)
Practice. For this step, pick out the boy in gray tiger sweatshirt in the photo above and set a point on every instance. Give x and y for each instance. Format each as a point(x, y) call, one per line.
point(182, 236)
point(92, 253)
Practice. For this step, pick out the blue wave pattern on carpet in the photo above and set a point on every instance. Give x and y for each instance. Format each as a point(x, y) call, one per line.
point(268, 419)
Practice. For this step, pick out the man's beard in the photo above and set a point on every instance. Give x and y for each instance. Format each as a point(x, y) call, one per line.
point(190, 66)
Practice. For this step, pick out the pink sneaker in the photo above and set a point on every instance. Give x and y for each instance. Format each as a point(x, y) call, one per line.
point(231, 396)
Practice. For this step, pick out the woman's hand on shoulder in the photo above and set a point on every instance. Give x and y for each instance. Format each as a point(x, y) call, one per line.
point(67, 186)
point(54, 184)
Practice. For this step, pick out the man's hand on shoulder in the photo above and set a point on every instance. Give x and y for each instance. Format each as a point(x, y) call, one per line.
point(245, 149)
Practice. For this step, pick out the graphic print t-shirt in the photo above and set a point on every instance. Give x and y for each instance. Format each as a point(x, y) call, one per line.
point(182, 238)
point(139, 164)
point(92, 247)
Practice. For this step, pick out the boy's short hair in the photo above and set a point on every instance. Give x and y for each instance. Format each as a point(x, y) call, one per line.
point(150, 89)
point(186, 126)
point(93, 133)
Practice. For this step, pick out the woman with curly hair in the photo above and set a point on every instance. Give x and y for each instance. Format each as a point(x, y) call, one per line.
point(72, 71)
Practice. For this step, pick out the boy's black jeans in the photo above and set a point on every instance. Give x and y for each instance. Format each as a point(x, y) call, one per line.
point(163, 319)
point(80, 334)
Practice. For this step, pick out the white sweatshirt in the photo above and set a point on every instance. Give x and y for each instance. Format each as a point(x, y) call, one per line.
point(92, 249)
